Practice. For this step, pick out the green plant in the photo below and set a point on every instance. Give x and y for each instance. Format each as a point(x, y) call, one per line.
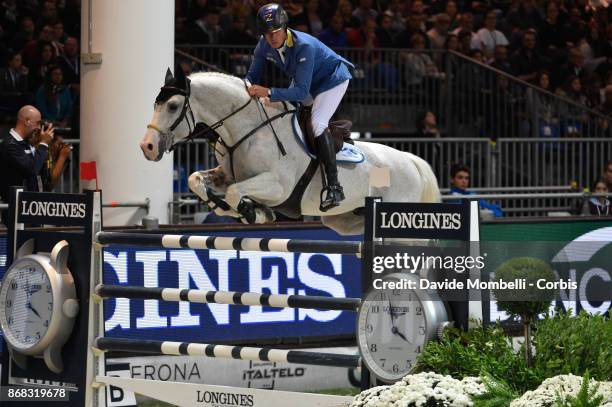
point(498, 393)
point(525, 302)
point(584, 398)
point(565, 344)
point(460, 354)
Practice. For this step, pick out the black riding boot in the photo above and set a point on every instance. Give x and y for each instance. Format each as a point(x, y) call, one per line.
point(327, 155)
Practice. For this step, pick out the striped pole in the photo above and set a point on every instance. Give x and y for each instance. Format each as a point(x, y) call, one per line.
point(229, 243)
point(229, 297)
point(225, 351)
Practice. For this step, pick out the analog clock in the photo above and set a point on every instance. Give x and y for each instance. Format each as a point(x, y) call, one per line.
point(38, 305)
point(394, 326)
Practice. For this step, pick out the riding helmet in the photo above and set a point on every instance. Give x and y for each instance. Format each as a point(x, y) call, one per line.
point(271, 17)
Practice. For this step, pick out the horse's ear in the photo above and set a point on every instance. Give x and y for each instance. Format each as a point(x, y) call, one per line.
point(181, 80)
point(169, 77)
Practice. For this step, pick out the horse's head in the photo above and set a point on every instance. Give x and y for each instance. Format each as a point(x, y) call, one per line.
point(172, 117)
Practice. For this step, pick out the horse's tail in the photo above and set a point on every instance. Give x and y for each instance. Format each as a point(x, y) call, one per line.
point(431, 191)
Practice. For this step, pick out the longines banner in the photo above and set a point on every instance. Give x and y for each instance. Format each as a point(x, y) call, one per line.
point(61, 209)
point(222, 270)
point(416, 220)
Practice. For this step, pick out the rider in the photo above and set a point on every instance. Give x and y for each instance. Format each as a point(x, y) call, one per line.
point(319, 78)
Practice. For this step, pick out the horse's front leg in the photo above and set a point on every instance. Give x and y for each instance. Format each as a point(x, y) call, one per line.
point(206, 184)
point(248, 197)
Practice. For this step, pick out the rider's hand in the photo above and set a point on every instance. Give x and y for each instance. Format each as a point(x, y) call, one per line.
point(259, 91)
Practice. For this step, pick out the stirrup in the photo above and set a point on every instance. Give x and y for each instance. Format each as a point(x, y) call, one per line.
point(335, 195)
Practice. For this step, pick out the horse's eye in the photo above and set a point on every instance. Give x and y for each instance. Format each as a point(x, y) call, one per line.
point(172, 106)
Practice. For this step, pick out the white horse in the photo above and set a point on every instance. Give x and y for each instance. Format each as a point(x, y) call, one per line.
point(262, 171)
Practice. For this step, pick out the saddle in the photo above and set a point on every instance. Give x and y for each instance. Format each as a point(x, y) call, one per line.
point(340, 130)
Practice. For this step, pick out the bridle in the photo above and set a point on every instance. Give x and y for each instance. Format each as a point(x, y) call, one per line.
point(201, 129)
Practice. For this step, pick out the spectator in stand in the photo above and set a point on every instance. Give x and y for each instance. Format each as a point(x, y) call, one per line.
point(70, 62)
point(59, 35)
point(526, 62)
point(437, 35)
point(334, 36)
point(606, 109)
point(417, 9)
point(450, 62)
point(413, 26)
point(9, 13)
point(315, 24)
point(345, 8)
point(233, 9)
point(460, 182)
point(20, 163)
point(466, 23)
point(53, 98)
point(545, 108)
point(14, 78)
point(598, 206)
point(572, 89)
point(452, 12)
point(365, 37)
point(551, 32)
point(14, 90)
point(465, 42)
point(49, 13)
point(206, 29)
point(418, 64)
point(297, 14)
point(31, 51)
point(38, 72)
point(575, 29)
point(574, 67)
point(488, 37)
point(525, 17)
point(384, 33)
point(365, 11)
point(500, 59)
point(55, 164)
point(395, 11)
point(238, 34)
point(426, 125)
point(26, 33)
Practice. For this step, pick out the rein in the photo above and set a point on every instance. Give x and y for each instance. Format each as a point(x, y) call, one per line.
point(201, 129)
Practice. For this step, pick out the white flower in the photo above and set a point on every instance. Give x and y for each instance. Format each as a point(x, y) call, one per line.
point(565, 385)
point(418, 389)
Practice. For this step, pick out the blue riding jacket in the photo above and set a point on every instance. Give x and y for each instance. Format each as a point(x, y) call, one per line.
point(312, 65)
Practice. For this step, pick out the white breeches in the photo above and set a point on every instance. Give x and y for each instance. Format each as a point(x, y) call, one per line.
point(324, 106)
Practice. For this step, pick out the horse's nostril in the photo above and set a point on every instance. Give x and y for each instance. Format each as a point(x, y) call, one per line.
point(150, 146)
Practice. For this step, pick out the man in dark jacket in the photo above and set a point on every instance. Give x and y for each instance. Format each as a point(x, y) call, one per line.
point(21, 163)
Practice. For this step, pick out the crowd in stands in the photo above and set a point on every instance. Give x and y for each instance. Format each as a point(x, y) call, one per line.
point(40, 48)
point(562, 46)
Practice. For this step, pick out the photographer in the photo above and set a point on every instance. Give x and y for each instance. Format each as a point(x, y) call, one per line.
point(20, 163)
point(55, 164)
point(53, 98)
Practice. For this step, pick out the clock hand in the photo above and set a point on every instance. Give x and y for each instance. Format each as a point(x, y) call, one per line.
point(36, 312)
point(398, 333)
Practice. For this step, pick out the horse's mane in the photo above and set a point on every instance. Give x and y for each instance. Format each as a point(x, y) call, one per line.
point(203, 76)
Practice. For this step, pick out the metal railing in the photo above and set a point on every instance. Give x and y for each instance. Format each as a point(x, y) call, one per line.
point(390, 87)
point(507, 165)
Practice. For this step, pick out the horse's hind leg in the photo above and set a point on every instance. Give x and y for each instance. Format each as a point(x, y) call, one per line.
point(250, 196)
point(345, 224)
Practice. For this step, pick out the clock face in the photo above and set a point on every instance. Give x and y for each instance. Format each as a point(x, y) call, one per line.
point(28, 303)
point(391, 332)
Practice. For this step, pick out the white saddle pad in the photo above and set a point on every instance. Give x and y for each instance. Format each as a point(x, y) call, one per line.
point(349, 154)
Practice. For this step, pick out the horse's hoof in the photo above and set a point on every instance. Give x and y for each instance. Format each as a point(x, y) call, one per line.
point(246, 208)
